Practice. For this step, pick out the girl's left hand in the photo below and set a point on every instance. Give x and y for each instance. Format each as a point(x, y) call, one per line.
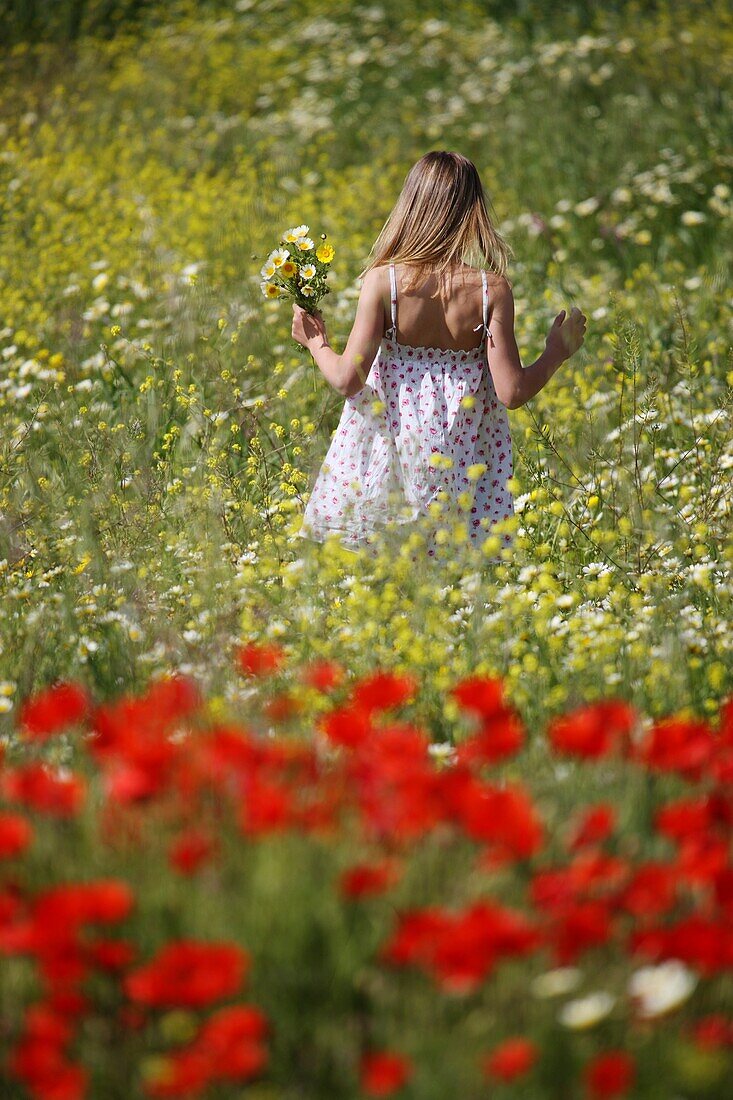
point(307, 326)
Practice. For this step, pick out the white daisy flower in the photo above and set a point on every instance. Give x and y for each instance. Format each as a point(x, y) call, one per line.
point(586, 1011)
point(304, 243)
point(292, 235)
point(692, 217)
point(307, 290)
point(268, 270)
point(587, 206)
point(278, 256)
point(557, 982)
point(308, 271)
point(662, 988)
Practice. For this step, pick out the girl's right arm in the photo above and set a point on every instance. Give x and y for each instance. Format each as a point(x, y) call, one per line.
point(515, 384)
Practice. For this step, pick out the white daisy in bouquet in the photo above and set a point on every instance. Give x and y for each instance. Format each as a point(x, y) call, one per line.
point(298, 269)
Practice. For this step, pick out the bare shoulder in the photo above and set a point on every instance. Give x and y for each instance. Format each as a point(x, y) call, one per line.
point(501, 297)
point(376, 278)
point(499, 284)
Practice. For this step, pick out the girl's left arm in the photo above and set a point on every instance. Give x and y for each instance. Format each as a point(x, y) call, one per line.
point(347, 372)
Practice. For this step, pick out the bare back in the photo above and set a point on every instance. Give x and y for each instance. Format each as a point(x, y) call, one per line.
point(450, 323)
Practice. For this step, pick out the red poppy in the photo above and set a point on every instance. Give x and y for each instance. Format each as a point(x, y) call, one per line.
point(610, 1074)
point(189, 974)
point(723, 889)
point(266, 807)
point(712, 1031)
point(37, 1057)
point(347, 726)
point(110, 954)
point(591, 825)
point(702, 943)
point(43, 1023)
point(232, 1040)
point(461, 949)
point(595, 872)
point(136, 727)
point(227, 1047)
point(16, 835)
point(384, 1072)
point(679, 745)
point(395, 784)
point(651, 890)
point(62, 966)
point(130, 783)
point(368, 879)
point(503, 816)
point(703, 859)
point(414, 939)
point(593, 730)
point(282, 706)
point(481, 694)
point(322, 675)
point(577, 927)
point(191, 849)
point(684, 817)
point(49, 1080)
point(185, 1073)
point(512, 1058)
point(69, 1002)
point(35, 786)
point(46, 713)
point(69, 905)
point(498, 737)
point(260, 659)
point(383, 690)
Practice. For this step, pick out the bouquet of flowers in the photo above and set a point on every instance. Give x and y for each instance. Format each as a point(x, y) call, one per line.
point(297, 269)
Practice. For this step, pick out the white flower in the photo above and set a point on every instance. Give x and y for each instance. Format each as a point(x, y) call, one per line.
point(692, 217)
point(292, 235)
point(268, 270)
point(442, 750)
point(554, 983)
point(304, 244)
point(308, 271)
point(662, 988)
point(586, 1011)
point(307, 290)
point(587, 206)
point(278, 256)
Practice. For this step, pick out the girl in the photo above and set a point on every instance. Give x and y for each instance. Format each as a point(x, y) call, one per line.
point(424, 427)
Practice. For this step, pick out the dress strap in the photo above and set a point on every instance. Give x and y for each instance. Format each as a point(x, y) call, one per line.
point(392, 332)
point(485, 305)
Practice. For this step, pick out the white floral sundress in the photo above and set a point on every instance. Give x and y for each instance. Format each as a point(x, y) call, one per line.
point(382, 466)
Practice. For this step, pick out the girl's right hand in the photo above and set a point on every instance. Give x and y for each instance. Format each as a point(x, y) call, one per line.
point(567, 333)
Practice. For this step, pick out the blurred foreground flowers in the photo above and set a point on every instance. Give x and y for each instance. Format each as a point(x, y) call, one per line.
point(188, 904)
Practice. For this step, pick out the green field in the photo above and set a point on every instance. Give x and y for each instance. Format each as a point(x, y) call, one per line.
point(160, 430)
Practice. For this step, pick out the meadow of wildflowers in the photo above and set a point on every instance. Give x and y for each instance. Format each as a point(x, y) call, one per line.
point(159, 434)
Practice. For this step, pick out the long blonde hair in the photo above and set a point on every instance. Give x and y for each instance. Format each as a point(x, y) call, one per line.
point(440, 218)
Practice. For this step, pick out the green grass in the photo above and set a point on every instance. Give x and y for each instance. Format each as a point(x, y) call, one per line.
point(160, 430)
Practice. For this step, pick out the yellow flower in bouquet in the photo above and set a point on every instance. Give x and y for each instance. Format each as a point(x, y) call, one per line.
point(297, 269)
